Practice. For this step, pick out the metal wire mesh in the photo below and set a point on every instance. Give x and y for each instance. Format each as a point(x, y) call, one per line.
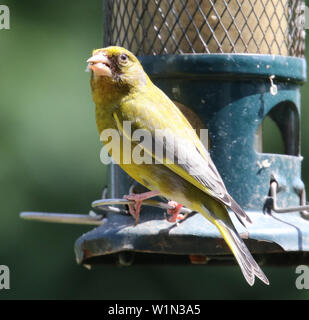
point(151, 27)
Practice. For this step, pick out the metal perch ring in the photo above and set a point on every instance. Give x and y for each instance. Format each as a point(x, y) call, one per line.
point(106, 205)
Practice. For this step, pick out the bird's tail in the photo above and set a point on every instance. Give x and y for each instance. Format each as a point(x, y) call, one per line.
point(247, 264)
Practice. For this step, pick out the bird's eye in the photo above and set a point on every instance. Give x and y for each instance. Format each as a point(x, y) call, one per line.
point(123, 58)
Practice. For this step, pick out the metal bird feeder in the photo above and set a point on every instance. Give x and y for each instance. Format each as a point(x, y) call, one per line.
point(228, 65)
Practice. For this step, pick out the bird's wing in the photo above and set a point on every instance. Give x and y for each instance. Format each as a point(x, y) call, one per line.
point(183, 152)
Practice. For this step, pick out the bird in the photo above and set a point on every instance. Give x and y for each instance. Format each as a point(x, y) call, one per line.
point(124, 94)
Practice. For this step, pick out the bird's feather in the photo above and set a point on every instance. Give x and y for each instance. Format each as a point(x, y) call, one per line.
point(247, 264)
point(189, 158)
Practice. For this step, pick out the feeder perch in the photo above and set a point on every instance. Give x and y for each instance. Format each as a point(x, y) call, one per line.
point(227, 65)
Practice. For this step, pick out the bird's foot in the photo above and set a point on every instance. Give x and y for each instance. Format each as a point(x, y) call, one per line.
point(138, 198)
point(175, 212)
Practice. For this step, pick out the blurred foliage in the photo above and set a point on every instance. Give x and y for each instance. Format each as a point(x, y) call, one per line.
point(49, 151)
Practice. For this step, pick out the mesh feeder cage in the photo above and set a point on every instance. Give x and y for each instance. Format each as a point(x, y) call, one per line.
point(227, 65)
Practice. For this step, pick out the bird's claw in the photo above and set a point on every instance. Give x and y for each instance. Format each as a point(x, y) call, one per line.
point(138, 199)
point(135, 208)
point(174, 212)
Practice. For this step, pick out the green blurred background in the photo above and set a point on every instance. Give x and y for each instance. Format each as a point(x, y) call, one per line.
point(49, 151)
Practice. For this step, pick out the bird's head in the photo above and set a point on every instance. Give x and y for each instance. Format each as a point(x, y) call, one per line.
point(116, 65)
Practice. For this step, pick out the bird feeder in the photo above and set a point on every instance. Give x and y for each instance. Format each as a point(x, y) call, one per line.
point(227, 65)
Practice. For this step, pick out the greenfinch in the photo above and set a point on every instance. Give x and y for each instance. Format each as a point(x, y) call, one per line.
point(123, 93)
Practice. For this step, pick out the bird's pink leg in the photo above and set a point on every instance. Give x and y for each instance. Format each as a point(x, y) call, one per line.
point(175, 215)
point(138, 198)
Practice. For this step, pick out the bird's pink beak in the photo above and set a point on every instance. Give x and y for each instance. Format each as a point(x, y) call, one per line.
point(100, 65)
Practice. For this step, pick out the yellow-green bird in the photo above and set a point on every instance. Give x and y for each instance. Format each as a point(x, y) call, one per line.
point(123, 93)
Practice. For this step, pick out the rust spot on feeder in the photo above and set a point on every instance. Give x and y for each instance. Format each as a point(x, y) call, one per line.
point(87, 254)
point(197, 259)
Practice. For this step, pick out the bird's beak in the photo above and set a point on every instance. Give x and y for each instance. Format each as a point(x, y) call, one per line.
point(100, 65)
